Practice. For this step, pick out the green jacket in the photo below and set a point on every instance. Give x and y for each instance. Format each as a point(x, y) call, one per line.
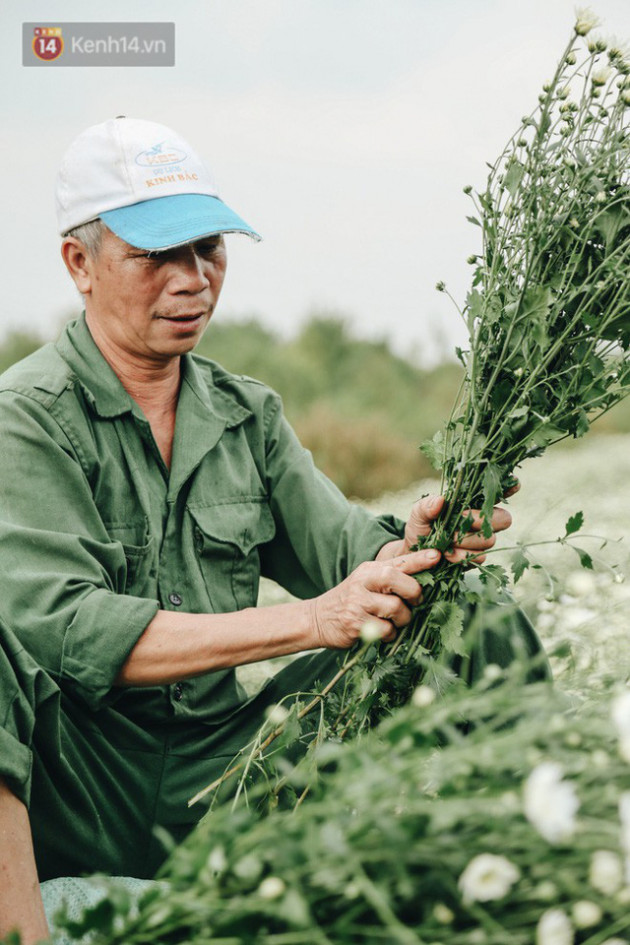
point(96, 535)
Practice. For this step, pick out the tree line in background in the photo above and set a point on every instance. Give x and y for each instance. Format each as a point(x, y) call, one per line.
point(361, 409)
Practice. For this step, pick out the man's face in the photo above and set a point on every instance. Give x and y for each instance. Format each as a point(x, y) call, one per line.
point(154, 305)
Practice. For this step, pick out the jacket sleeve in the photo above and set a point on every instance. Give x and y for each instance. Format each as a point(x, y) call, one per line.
point(321, 536)
point(26, 693)
point(62, 577)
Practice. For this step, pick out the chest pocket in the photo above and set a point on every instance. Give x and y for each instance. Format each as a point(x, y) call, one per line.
point(138, 549)
point(227, 537)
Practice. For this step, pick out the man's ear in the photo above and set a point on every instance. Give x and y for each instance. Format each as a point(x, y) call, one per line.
point(78, 263)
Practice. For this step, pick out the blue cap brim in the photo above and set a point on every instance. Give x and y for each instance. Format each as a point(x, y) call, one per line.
point(166, 222)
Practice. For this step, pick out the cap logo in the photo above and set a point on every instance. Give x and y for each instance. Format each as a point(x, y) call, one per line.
point(158, 156)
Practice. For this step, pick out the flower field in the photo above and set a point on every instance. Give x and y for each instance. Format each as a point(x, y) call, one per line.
point(493, 816)
point(396, 804)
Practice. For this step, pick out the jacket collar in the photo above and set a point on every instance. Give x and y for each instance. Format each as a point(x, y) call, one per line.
point(204, 411)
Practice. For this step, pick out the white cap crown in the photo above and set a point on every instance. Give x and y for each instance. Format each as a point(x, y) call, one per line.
point(122, 162)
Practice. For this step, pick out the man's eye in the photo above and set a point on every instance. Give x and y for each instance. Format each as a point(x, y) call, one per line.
point(208, 248)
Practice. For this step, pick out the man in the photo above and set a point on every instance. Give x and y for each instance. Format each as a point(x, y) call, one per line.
point(143, 492)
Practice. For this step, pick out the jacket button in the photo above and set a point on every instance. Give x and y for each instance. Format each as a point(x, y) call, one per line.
point(175, 599)
point(178, 692)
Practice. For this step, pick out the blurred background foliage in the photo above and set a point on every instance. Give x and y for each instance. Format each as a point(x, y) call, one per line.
point(360, 408)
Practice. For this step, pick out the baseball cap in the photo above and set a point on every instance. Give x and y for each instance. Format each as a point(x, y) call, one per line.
point(145, 182)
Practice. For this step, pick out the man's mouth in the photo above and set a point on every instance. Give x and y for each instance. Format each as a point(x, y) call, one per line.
point(183, 318)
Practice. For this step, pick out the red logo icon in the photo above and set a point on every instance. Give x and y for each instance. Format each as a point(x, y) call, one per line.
point(47, 42)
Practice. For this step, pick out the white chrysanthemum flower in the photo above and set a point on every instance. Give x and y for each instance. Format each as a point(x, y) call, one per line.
point(272, 887)
point(605, 872)
point(601, 76)
point(624, 816)
point(371, 632)
point(554, 928)
point(624, 834)
point(423, 696)
point(624, 748)
point(620, 713)
point(277, 714)
point(586, 914)
point(492, 672)
point(488, 877)
point(586, 21)
point(217, 860)
point(600, 758)
point(623, 896)
point(581, 584)
point(550, 803)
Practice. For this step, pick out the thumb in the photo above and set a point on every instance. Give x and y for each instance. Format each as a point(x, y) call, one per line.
point(423, 514)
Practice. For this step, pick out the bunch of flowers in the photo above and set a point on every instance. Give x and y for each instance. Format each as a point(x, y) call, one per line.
point(548, 318)
point(518, 832)
point(548, 314)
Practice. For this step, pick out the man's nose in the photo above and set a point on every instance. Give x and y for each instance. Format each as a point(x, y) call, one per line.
point(191, 274)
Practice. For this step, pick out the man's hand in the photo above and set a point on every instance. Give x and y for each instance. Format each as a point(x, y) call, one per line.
point(381, 592)
point(419, 524)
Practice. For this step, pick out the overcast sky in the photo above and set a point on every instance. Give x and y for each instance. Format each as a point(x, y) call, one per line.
point(343, 130)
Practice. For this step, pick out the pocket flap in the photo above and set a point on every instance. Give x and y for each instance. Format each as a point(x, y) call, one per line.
point(243, 523)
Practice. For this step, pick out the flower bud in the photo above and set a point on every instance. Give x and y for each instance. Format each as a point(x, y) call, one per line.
point(271, 888)
point(371, 632)
point(277, 714)
point(586, 914)
point(423, 696)
point(440, 286)
point(442, 913)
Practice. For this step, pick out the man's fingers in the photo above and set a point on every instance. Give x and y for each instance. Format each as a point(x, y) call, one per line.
point(512, 490)
point(460, 556)
point(476, 542)
point(392, 608)
point(501, 519)
point(415, 561)
point(394, 579)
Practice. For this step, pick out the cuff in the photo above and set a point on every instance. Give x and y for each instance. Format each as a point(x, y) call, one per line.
point(104, 631)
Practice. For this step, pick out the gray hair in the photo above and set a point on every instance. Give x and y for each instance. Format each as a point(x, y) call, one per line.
point(90, 234)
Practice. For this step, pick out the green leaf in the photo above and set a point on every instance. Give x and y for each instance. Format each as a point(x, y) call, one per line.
point(520, 563)
point(425, 579)
point(493, 574)
point(585, 559)
point(473, 220)
point(449, 618)
point(535, 306)
point(582, 425)
point(474, 301)
point(491, 492)
point(610, 222)
point(434, 450)
point(466, 525)
point(513, 177)
point(292, 729)
point(574, 524)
